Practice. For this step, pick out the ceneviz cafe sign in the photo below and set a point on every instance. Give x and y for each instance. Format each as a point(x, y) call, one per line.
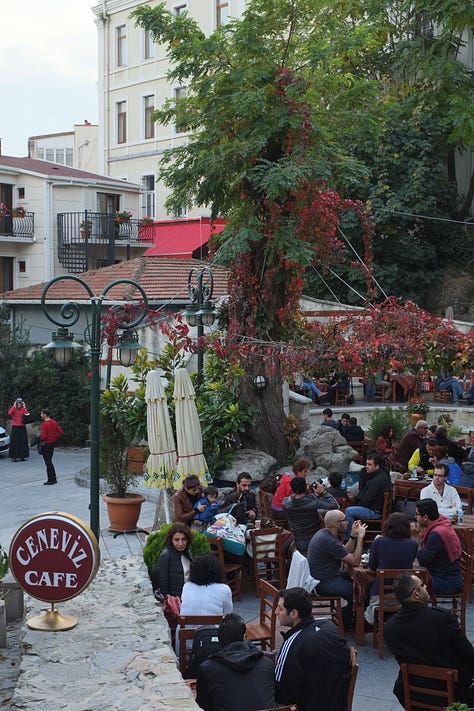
point(54, 557)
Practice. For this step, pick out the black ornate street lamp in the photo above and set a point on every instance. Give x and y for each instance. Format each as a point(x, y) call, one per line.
point(200, 310)
point(63, 344)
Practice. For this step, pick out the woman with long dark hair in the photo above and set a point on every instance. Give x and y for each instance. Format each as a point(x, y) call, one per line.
point(19, 449)
point(172, 567)
point(206, 593)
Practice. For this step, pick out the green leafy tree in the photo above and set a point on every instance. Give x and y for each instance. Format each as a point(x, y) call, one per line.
point(261, 153)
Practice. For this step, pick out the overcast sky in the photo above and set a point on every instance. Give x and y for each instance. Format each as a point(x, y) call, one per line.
point(48, 69)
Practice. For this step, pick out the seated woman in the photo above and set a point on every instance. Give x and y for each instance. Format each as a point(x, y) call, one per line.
point(205, 593)
point(172, 567)
point(393, 549)
point(300, 468)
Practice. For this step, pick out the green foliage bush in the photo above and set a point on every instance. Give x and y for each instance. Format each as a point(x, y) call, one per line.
point(395, 418)
point(4, 563)
point(155, 544)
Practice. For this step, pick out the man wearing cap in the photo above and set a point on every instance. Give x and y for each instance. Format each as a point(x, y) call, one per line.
point(185, 498)
point(412, 440)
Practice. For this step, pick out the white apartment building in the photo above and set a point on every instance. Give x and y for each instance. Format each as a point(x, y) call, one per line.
point(76, 149)
point(132, 83)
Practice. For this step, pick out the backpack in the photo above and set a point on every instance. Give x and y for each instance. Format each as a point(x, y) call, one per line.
point(205, 643)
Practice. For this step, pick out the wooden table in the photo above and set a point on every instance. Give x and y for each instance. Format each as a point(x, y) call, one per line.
point(465, 533)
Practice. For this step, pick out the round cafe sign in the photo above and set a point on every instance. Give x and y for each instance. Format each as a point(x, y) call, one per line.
point(54, 556)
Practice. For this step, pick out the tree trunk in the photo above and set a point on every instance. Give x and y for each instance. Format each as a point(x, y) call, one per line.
point(268, 432)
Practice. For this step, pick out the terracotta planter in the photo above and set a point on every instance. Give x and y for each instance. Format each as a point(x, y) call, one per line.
point(122, 220)
point(18, 214)
point(124, 513)
point(415, 416)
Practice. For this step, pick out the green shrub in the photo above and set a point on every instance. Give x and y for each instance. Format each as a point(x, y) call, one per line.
point(155, 544)
point(388, 416)
point(4, 563)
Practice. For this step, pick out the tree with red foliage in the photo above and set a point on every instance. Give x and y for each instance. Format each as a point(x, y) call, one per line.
point(258, 154)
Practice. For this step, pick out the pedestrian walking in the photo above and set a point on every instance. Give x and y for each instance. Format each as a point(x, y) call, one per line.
point(50, 433)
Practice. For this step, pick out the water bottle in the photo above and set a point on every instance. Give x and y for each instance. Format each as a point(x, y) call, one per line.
point(460, 516)
point(414, 474)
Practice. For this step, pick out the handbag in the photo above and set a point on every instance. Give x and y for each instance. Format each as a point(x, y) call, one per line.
point(171, 607)
point(29, 419)
point(40, 446)
point(233, 535)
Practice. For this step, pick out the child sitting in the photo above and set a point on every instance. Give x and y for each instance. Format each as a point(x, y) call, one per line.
point(336, 490)
point(209, 500)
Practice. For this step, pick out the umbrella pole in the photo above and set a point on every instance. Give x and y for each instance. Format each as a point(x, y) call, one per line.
point(157, 523)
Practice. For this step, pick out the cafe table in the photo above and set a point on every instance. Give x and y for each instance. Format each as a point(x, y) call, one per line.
point(465, 533)
point(362, 579)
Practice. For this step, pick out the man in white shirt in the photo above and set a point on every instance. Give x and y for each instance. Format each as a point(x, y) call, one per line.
point(445, 495)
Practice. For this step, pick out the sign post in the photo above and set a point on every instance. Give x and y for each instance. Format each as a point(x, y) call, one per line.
point(54, 557)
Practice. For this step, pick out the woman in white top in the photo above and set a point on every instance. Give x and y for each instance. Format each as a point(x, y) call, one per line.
point(206, 593)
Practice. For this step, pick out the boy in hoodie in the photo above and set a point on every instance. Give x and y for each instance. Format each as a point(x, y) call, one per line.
point(300, 468)
point(237, 676)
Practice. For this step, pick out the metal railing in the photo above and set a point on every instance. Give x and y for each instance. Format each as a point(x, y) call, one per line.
point(90, 239)
point(14, 224)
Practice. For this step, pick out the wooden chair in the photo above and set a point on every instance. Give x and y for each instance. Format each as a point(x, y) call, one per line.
point(388, 604)
point(458, 601)
point(328, 606)
point(340, 397)
point(466, 496)
point(263, 632)
point(186, 631)
point(352, 680)
point(412, 675)
point(374, 525)
point(233, 571)
point(264, 504)
point(267, 556)
point(442, 396)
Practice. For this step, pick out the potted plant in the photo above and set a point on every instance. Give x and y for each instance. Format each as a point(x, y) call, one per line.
point(85, 228)
point(18, 211)
point(146, 221)
point(417, 408)
point(117, 435)
point(155, 543)
point(3, 208)
point(123, 216)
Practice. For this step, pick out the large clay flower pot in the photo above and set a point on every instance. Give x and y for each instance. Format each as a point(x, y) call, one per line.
point(415, 416)
point(124, 513)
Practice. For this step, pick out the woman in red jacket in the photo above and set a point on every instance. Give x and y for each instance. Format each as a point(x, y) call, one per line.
point(300, 468)
point(50, 432)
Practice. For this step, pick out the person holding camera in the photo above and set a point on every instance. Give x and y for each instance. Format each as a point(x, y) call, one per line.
point(19, 450)
point(304, 510)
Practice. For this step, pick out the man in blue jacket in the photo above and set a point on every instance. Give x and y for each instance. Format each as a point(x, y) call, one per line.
point(314, 664)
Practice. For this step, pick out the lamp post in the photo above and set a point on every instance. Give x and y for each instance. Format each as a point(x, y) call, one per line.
point(63, 344)
point(200, 310)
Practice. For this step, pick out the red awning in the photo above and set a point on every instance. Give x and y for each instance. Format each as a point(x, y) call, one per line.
point(183, 238)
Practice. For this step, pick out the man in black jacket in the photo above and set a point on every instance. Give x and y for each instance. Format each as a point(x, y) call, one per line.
point(236, 677)
point(419, 634)
point(373, 483)
point(303, 510)
point(314, 664)
point(242, 502)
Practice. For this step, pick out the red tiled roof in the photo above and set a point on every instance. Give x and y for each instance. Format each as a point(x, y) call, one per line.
point(55, 170)
point(180, 238)
point(162, 280)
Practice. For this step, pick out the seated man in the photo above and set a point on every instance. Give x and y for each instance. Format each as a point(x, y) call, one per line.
point(242, 502)
point(447, 381)
point(446, 497)
point(314, 663)
point(237, 676)
point(326, 553)
point(440, 548)
point(413, 439)
point(327, 419)
point(373, 483)
point(303, 510)
point(419, 634)
point(338, 382)
point(353, 432)
point(425, 457)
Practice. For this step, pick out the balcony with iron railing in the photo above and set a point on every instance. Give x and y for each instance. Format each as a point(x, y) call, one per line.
point(17, 224)
point(87, 240)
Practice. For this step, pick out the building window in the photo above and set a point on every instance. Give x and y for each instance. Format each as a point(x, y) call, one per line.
point(121, 45)
point(22, 267)
point(180, 213)
point(179, 95)
point(179, 9)
point(50, 155)
point(21, 193)
point(122, 122)
point(69, 156)
point(148, 45)
point(40, 152)
point(148, 202)
point(149, 107)
point(222, 12)
point(60, 156)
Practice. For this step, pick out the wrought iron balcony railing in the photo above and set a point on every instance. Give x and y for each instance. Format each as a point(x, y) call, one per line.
point(14, 224)
point(91, 239)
